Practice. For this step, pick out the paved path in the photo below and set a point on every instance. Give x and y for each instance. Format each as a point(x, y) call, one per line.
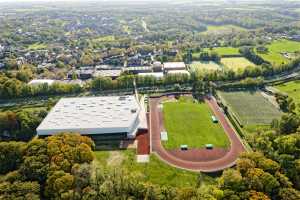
point(224, 162)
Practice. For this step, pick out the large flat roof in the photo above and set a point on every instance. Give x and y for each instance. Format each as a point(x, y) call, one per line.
point(92, 115)
point(41, 81)
point(174, 65)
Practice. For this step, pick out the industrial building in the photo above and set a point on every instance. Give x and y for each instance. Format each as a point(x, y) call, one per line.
point(169, 66)
point(102, 118)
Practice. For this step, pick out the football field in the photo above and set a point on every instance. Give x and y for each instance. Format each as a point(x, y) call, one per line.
point(191, 124)
point(250, 107)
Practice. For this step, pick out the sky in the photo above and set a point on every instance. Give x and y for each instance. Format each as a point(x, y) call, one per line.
point(6, 1)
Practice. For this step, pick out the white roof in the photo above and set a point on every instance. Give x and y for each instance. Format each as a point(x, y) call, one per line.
point(155, 74)
point(179, 72)
point(174, 65)
point(41, 81)
point(92, 115)
point(108, 73)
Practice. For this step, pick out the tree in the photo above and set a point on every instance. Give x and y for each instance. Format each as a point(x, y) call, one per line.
point(289, 123)
point(11, 156)
point(35, 166)
point(20, 190)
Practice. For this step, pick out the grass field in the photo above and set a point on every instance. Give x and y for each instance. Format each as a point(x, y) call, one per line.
point(104, 39)
point(274, 55)
point(236, 63)
point(155, 171)
point(229, 51)
point(223, 29)
point(225, 50)
point(250, 107)
point(205, 66)
point(37, 46)
point(292, 89)
point(191, 124)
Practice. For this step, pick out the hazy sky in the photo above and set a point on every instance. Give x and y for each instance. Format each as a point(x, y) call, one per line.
point(236, 1)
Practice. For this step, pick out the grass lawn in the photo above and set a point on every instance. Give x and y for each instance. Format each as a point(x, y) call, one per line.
point(205, 66)
point(229, 51)
point(37, 46)
point(191, 124)
point(156, 171)
point(236, 63)
point(292, 89)
point(276, 48)
point(225, 50)
point(223, 29)
point(250, 107)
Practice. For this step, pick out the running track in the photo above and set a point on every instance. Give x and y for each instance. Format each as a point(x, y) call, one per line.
point(208, 166)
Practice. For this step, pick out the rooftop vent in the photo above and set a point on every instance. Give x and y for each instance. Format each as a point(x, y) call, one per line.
point(133, 110)
point(122, 98)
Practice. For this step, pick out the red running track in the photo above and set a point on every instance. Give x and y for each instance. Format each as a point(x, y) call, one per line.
point(207, 166)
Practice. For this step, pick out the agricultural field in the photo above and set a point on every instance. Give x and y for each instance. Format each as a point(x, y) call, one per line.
point(250, 107)
point(292, 89)
point(276, 48)
point(190, 123)
point(204, 66)
point(236, 63)
point(151, 171)
point(225, 29)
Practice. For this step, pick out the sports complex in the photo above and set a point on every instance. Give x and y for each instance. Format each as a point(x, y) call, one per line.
point(183, 132)
point(194, 140)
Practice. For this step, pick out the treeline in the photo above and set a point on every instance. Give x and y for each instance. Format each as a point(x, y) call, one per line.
point(60, 167)
point(20, 125)
point(127, 81)
point(14, 88)
point(244, 83)
point(210, 56)
point(249, 53)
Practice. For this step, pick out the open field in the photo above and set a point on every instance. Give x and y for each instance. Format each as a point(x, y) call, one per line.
point(250, 107)
point(155, 171)
point(37, 46)
point(225, 50)
point(104, 39)
point(277, 47)
point(236, 63)
point(205, 66)
point(292, 89)
point(191, 124)
point(222, 51)
point(223, 29)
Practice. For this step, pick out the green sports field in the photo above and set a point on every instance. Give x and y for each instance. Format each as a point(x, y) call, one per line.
point(250, 107)
point(277, 47)
point(204, 66)
point(236, 63)
point(191, 124)
point(292, 89)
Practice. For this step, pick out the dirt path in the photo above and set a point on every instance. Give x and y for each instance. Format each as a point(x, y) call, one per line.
point(219, 164)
